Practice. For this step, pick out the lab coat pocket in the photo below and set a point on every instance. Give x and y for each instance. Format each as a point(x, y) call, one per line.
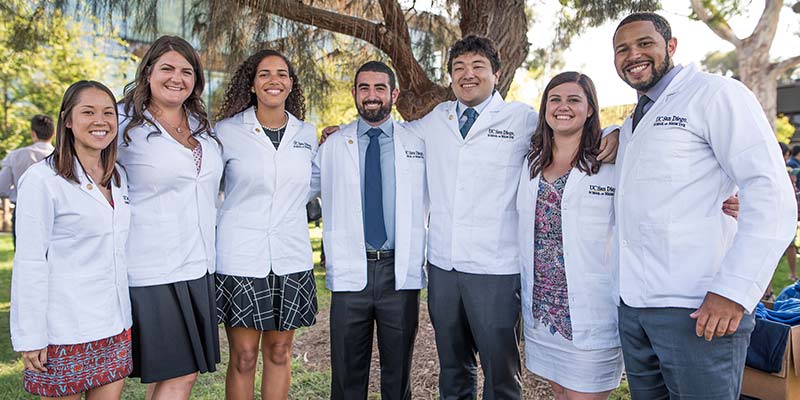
point(240, 235)
point(594, 314)
point(697, 248)
point(153, 243)
point(665, 156)
point(62, 313)
point(335, 248)
point(596, 216)
point(99, 290)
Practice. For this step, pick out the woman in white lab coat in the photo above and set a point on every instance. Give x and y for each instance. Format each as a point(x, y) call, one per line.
point(565, 204)
point(265, 279)
point(70, 311)
point(174, 169)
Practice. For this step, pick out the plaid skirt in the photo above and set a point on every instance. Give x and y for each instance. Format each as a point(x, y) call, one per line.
point(77, 368)
point(274, 303)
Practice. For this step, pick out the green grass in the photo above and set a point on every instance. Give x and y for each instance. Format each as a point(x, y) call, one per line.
point(306, 384)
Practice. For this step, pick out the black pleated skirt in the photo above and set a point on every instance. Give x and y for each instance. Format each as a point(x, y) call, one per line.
point(174, 329)
point(274, 303)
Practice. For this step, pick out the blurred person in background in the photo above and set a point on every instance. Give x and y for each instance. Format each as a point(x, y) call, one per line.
point(17, 161)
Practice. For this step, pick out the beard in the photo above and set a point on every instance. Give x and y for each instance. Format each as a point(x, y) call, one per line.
point(658, 72)
point(376, 115)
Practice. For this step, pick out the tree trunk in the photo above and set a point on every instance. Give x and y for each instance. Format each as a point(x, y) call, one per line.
point(503, 21)
point(755, 73)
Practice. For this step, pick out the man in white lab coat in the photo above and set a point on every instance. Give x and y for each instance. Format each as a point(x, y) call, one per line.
point(374, 208)
point(474, 151)
point(690, 277)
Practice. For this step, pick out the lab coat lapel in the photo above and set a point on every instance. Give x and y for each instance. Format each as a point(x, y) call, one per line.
point(485, 118)
point(86, 183)
point(251, 124)
point(673, 88)
point(573, 184)
point(350, 132)
point(450, 116)
point(292, 127)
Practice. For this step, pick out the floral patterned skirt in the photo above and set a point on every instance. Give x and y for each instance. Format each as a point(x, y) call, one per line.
point(77, 368)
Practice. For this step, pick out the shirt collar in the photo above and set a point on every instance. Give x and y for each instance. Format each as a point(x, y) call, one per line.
point(387, 127)
point(461, 107)
point(45, 145)
point(658, 89)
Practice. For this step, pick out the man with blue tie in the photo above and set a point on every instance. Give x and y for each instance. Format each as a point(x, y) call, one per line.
point(374, 208)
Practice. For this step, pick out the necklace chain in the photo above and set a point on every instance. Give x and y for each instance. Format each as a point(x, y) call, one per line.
point(285, 122)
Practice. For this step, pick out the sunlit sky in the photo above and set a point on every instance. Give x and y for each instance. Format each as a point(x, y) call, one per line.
point(592, 54)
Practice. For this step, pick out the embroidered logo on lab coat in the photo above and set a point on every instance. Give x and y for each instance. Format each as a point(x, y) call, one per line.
point(301, 145)
point(600, 190)
point(671, 120)
point(125, 199)
point(500, 133)
point(414, 154)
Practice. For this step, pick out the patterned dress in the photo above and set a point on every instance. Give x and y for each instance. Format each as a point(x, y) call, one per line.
point(77, 368)
point(550, 300)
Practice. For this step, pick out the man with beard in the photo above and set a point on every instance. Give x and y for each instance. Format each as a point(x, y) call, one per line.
point(690, 277)
point(374, 208)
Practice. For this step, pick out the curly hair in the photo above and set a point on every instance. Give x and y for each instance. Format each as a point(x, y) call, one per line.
point(239, 97)
point(541, 153)
point(137, 94)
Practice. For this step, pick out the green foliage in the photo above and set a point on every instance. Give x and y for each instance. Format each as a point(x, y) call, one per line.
point(784, 129)
point(723, 10)
point(41, 54)
point(721, 62)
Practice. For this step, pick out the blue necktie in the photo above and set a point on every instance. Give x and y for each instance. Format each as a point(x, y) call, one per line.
point(375, 228)
point(472, 115)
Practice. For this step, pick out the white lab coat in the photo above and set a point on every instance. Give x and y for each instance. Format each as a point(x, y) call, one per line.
point(69, 283)
point(472, 183)
point(262, 224)
point(587, 220)
point(705, 136)
point(343, 227)
point(173, 209)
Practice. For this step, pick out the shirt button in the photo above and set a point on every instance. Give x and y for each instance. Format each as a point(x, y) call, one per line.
point(624, 243)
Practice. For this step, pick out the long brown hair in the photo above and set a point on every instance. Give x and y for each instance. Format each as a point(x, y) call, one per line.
point(63, 157)
point(137, 93)
point(238, 95)
point(541, 153)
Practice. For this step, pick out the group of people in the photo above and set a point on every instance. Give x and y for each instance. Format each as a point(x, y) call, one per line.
point(125, 264)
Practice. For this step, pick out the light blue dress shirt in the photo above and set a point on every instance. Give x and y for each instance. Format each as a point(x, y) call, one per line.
point(386, 139)
point(461, 107)
point(658, 89)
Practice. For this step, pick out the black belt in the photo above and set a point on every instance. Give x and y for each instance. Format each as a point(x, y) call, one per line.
point(376, 255)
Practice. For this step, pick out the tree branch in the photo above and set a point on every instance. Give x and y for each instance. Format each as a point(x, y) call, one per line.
point(335, 22)
point(716, 23)
point(395, 20)
point(782, 66)
point(769, 17)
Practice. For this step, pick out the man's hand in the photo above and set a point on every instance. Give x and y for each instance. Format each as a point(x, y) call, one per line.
point(608, 147)
point(731, 206)
point(35, 360)
point(717, 316)
point(327, 132)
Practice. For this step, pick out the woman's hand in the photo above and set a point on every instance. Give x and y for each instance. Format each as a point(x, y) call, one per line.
point(35, 360)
